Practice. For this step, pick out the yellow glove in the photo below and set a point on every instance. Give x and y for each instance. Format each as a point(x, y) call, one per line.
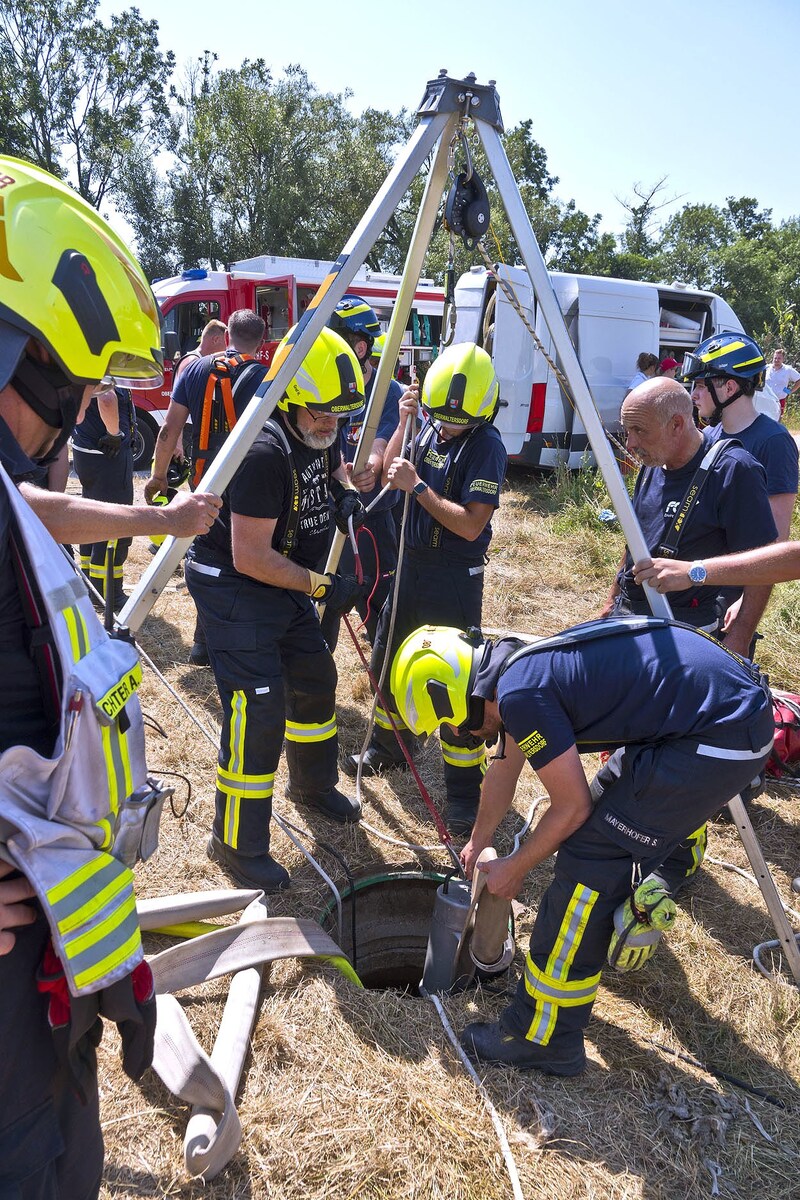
point(639, 925)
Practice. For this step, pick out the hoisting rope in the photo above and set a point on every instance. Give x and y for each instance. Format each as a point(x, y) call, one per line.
point(510, 294)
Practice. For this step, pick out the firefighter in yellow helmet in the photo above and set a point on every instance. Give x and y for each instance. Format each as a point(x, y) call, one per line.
point(453, 474)
point(253, 578)
point(76, 315)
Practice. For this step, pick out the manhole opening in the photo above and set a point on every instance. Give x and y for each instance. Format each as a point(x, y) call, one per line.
point(391, 915)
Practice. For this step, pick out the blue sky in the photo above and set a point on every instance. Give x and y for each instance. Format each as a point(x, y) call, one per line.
point(619, 92)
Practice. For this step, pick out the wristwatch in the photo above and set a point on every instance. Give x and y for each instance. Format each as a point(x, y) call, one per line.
point(419, 488)
point(697, 573)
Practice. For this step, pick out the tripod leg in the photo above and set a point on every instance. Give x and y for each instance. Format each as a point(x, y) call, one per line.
point(535, 264)
point(761, 871)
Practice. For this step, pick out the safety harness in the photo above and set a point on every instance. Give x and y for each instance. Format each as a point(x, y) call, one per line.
point(293, 521)
point(425, 443)
point(226, 375)
point(613, 626)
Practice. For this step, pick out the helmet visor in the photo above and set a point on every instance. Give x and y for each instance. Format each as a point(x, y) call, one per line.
point(131, 371)
point(692, 366)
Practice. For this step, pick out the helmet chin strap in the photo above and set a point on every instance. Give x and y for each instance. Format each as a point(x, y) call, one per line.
point(719, 405)
point(48, 391)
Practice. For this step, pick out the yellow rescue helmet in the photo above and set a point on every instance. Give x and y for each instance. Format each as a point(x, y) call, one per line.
point(67, 280)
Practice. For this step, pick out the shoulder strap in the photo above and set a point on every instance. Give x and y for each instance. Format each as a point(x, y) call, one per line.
point(218, 415)
point(293, 520)
point(669, 546)
point(612, 627)
point(435, 538)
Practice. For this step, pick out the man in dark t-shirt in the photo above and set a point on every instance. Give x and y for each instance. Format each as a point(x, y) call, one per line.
point(729, 506)
point(454, 474)
point(254, 581)
point(690, 725)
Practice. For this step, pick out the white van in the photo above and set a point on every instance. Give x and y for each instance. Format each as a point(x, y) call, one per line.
point(610, 321)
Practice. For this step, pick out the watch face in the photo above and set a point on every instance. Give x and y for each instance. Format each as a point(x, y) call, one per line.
point(697, 573)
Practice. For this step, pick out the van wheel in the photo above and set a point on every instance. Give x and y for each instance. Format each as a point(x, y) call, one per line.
point(143, 442)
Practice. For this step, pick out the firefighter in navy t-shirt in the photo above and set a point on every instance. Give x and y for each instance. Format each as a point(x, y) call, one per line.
point(454, 476)
point(254, 581)
point(690, 725)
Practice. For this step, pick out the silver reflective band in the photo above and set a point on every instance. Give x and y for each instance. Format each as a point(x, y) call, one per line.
point(743, 755)
point(203, 569)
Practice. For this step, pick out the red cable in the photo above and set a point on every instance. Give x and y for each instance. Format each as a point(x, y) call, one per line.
point(441, 828)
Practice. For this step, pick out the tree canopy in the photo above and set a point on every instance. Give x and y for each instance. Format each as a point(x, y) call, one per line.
point(215, 165)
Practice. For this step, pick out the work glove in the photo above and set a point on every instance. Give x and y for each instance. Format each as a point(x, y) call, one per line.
point(77, 1028)
point(349, 504)
point(639, 925)
point(110, 444)
point(339, 593)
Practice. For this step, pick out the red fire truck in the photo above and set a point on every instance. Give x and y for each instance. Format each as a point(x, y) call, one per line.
point(279, 290)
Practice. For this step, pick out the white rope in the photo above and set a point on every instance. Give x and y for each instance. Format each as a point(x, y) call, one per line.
point(508, 1157)
point(720, 862)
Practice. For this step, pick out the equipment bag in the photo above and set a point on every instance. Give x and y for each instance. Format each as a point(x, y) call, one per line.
point(784, 761)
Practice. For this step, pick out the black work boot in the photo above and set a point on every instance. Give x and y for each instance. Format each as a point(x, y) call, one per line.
point(459, 816)
point(333, 804)
point(375, 761)
point(258, 871)
point(491, 1042)
point(198, 655)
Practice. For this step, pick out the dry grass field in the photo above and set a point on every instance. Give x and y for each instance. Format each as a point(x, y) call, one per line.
point(358, 1094)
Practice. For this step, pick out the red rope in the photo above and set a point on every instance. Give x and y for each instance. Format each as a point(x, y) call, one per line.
point(441, 828)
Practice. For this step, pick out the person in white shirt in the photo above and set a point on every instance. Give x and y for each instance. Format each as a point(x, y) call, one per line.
point(782, 379)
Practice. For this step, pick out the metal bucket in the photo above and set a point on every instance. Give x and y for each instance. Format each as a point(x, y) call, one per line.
point(447, 925)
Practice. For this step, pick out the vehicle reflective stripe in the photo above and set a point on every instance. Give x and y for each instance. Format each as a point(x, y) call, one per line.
point(550, 988)
point(78, 633)
point(461, 756)
point(299, 731)
point(118, 765)
point(235, 764)
point(251, 787)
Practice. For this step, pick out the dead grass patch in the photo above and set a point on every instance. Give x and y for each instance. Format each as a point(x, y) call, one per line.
point(352, 1095)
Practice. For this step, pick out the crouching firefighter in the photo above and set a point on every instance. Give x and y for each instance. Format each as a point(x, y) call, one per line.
point(254, 582)
point(76, 808)
point(453, 476)
point(690, 725)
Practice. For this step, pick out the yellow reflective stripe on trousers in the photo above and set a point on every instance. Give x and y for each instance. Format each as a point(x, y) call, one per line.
point(118, 764)
point(250, 787)
point(238, 729)
point(383, 722)
point(550, 988)
point(462, 756)
point(95, 911)
point(78, 633)
point(299, 731)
